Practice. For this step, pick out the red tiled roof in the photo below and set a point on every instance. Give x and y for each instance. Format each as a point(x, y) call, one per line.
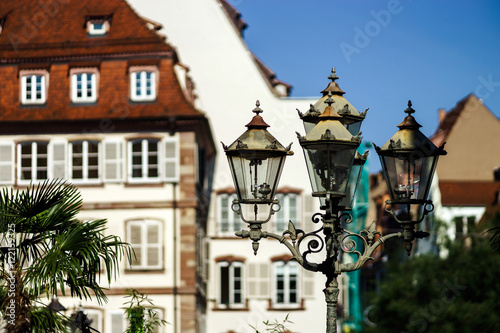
point(234, 15)
point(55, 38)
point(456, 193)
point(35, 30)
point(270, 76)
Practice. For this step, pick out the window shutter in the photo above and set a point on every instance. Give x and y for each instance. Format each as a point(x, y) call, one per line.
point(135, 237)
point(58, 158)
point(154, 246)
point(113, 161)
point(117, 322)
point(307, 283)
point(170, 159)
point(6, 163)
point(258, 280)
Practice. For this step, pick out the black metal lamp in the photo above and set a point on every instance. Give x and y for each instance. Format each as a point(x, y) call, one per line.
point(408, 162)
point(329, 150)
point(256, 160)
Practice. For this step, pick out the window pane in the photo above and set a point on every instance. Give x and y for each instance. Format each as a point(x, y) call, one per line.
point(224, 284)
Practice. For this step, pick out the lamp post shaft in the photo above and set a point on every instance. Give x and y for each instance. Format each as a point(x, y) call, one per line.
point(331, 297)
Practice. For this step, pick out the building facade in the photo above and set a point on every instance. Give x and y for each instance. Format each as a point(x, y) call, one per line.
point(91, 93)
point(246, 289)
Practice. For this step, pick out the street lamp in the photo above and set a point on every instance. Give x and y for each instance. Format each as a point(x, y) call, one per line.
point(409, 160)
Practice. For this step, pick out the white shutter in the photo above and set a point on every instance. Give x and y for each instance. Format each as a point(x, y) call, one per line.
point(113, 161)
point(57, 153)
point(258, 280)
point(154, 246)
point(118, 322)
point(308, 283)
point(6, 163)
point(170, 159)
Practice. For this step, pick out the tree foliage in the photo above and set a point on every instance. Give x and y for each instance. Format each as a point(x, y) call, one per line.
point(47, 250)
point(140, 313)
point(458, 293)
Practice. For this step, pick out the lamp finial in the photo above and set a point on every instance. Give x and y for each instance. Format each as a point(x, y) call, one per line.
point(409, 109)
point(257, 109)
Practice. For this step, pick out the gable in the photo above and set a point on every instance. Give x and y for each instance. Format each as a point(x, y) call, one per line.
point(472, 136)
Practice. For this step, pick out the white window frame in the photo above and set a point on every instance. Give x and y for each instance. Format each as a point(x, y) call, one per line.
point(143, 95)
point(34, 162)
point(232, 279)
point(144, 244)
point(85, 156)
point(87, 75)
point(144, 155)
point(286, 268)
point(93, 30)
point(286, 213)
point(44, 85)
point(233, 220)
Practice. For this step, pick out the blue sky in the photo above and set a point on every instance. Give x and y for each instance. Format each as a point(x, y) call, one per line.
point(385, 53)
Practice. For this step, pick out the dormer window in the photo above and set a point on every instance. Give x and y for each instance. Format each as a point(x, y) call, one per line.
point(97, 27)
point(143, 83)
point(33, 86)
point(84, 85)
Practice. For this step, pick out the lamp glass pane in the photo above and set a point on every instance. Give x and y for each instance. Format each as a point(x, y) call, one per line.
point(329, 168)
point(354, 127)
point(408, 176)
point(256, 179)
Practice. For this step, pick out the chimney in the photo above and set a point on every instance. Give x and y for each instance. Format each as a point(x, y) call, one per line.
point(442, 114)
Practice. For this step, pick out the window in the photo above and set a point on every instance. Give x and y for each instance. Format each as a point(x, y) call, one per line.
point(288, 211)
point(33, 86)
point(145, 237)
point(231, 283)
point(144, 159)
point(143, 83)
point(84, 161)
point(84, 82)
point(152, 160)
point(98, 27)
point(229, 221)
point(286, 283)
point(32, 161)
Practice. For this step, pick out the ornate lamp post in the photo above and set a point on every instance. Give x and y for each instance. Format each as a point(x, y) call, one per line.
point(409, 160)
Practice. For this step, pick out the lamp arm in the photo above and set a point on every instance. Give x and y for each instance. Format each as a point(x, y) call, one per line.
point(291, 238)
point(369, 246)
